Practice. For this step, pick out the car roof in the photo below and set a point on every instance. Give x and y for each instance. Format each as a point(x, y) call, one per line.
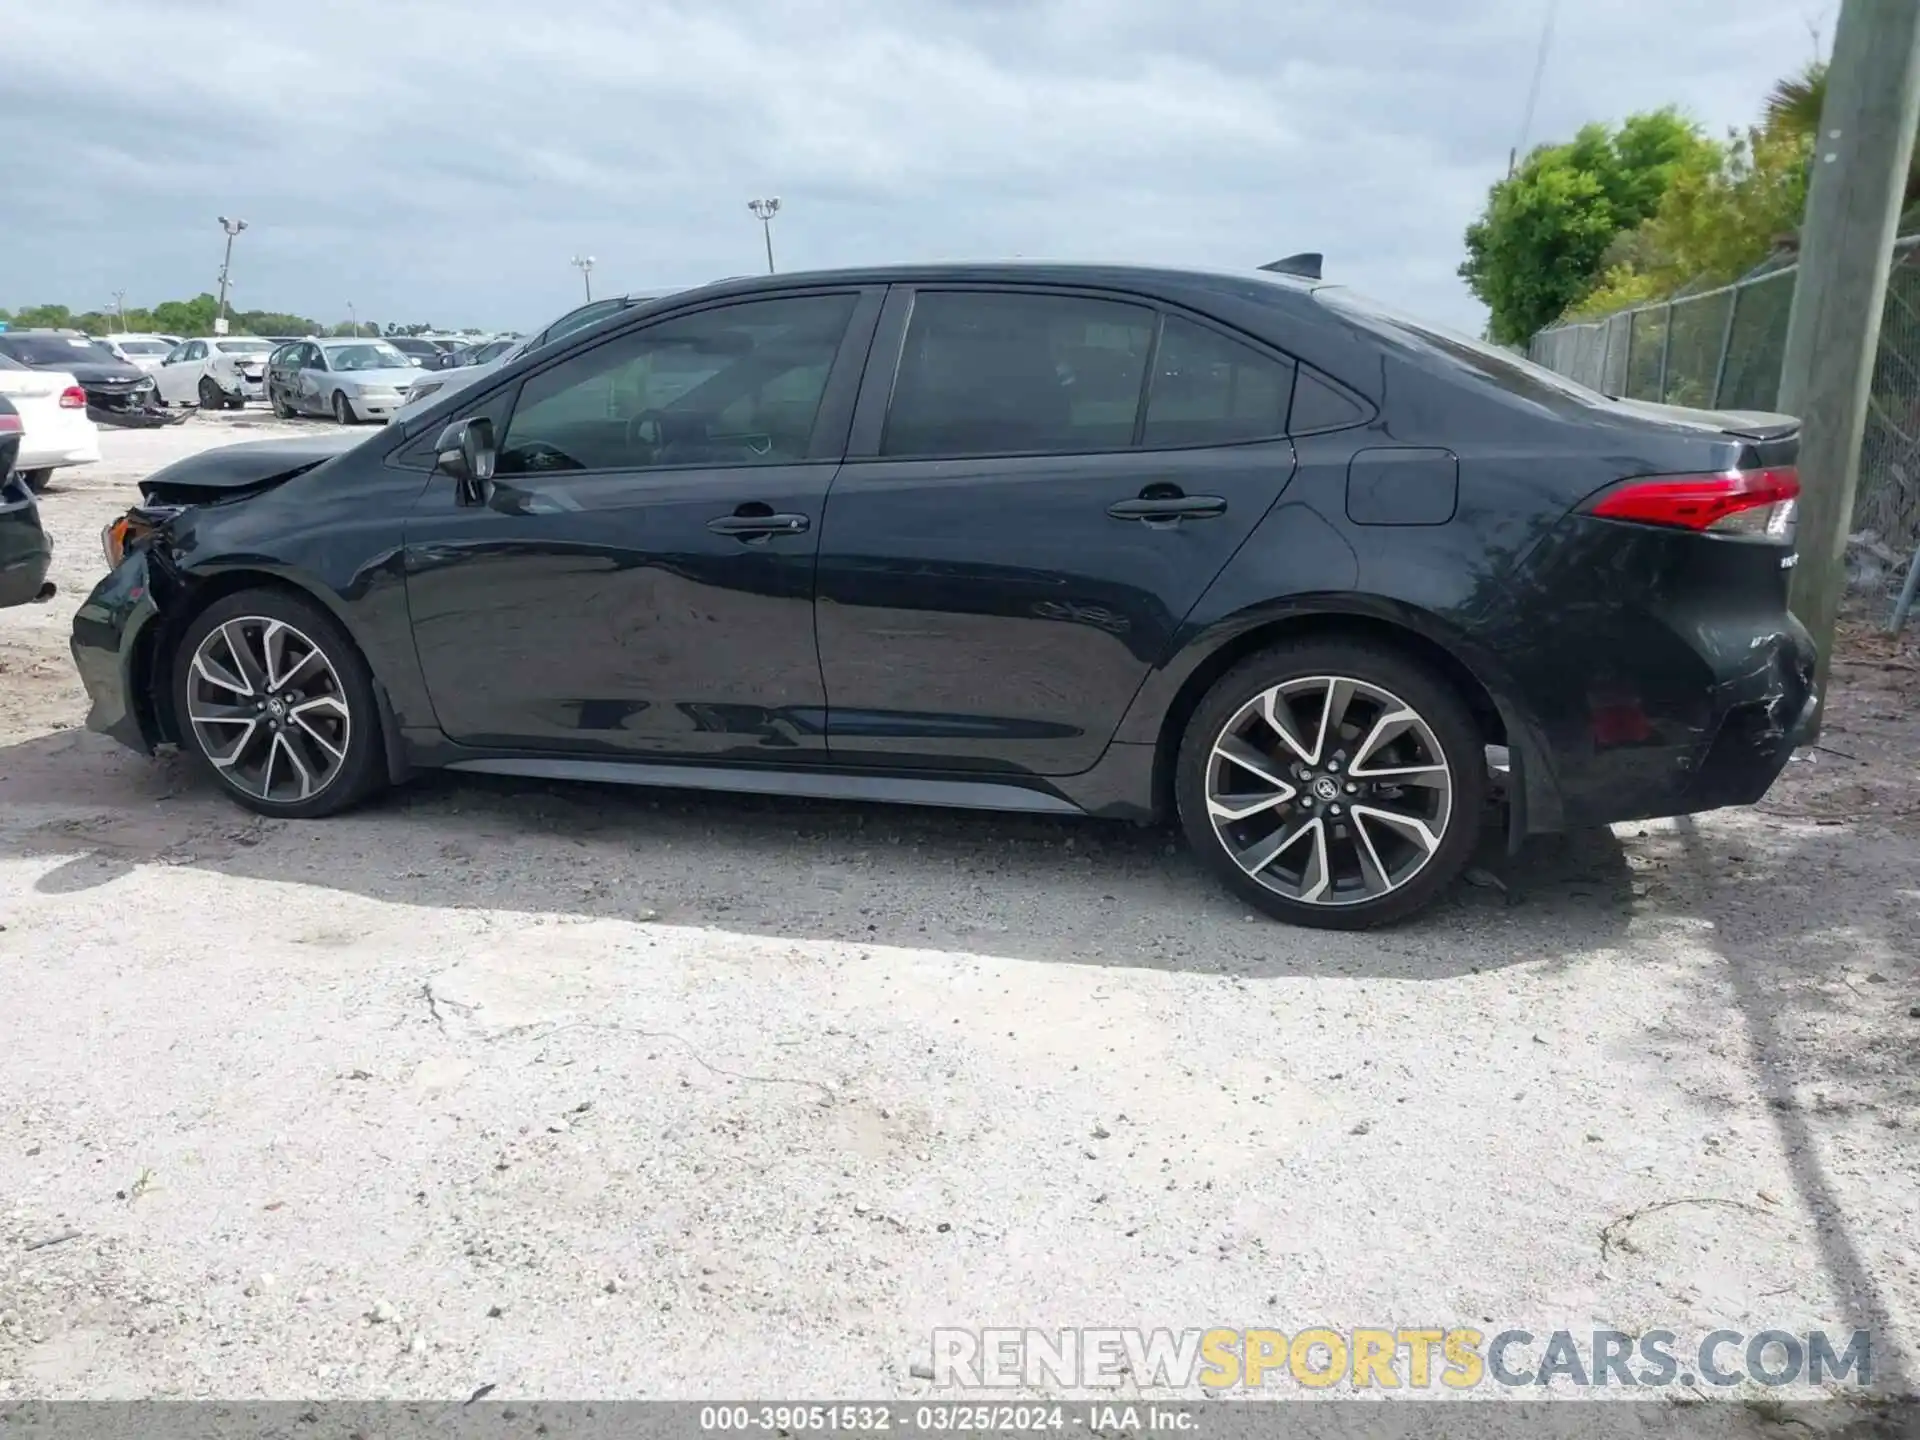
point(1027, 272)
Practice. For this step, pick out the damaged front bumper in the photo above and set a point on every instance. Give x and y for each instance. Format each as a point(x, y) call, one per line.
point(112, 649)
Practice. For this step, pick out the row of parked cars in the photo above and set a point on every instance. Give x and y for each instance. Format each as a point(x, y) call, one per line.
point(61, 382)
point(379, 378)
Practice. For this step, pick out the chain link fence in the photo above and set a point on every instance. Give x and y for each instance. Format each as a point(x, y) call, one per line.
point(1722, 350)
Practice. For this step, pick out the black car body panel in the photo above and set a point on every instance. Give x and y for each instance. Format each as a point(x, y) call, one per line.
point(111, 384)
point(113, 635)
point(1019, 620)
point(250, 465)
point(25, 551)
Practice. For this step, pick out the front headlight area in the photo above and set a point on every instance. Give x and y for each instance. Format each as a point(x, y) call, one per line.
point(137, 526)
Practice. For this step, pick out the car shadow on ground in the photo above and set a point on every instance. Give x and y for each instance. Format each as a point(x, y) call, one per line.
point(1830, 1010)
point(1028, 887)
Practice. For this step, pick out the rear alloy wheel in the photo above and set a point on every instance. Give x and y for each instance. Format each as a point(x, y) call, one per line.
point(211, 397)
point(343, 409)
point(273, 699)
point(1333, 784)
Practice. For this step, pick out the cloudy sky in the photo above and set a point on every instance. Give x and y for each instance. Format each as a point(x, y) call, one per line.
point(441, 160)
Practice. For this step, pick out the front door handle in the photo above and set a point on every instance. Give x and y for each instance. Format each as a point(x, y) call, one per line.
point(1168, 509)
point(745, 524)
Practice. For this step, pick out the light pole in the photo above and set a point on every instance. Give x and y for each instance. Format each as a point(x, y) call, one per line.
point(233, 228)
point(120, 308)
point(764, 211)
point(353, 318)
point(585, 263)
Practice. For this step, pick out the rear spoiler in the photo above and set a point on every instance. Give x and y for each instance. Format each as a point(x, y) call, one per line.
point(1306, 265)
point(1743, 424)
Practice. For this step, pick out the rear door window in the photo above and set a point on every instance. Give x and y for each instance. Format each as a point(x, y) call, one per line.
point(1212, 390)
point(1017, 373)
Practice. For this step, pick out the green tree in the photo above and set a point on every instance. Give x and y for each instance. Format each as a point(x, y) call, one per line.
point(1715, 223)
point(272, 322)
point(42, 317)
point(1539, 245)
point(186, 317)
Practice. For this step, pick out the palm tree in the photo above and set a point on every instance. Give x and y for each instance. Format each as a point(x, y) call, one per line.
point(1795, 105)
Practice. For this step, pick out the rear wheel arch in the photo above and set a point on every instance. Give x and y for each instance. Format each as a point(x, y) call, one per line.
point(1416, 645)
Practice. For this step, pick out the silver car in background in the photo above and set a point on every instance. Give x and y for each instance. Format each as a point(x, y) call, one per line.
point(351, 380)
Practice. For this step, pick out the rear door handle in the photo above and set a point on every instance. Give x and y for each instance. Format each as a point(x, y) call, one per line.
point(758, 527)
point(1169, 510)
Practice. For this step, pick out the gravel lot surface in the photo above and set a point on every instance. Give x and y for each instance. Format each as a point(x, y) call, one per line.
point(585, 1092)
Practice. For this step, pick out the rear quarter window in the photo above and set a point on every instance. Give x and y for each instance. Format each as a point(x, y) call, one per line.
point(1470, 359)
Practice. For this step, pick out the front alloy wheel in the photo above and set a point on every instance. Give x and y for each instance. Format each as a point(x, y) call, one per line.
point(268, 709)
point(274, 700)
point(1338, 794)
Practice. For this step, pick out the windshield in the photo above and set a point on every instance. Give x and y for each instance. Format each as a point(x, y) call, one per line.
point(366, 357)
point(242, 347)
point(56, 349)
point(1505, 368)
point(145, 347)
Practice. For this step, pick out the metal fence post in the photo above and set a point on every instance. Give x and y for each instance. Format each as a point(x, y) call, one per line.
point(1666, 353)
point(1626, 363)
point(1726, 346)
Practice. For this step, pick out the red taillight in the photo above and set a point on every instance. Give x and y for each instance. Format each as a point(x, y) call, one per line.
point(10, 424)
point(1759, 504)
point(73, 398)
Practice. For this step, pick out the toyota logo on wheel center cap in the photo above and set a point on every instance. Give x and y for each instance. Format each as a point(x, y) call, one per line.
point(1326, 787)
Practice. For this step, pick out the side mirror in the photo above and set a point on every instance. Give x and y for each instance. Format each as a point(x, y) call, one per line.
point(466, 451)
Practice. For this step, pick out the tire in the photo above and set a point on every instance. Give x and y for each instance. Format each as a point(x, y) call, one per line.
point(236, 402)
point(323, 750)
point(37, 480)
point(343, 409)
point(211, 397)
point(1372, 870)
point(281, 409)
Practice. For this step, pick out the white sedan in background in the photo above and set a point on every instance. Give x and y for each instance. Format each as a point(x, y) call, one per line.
point(53, 417)
point(149, 352)
point(217, 373)
point(350, 380)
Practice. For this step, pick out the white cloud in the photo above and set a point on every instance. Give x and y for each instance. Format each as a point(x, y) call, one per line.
point(442, 159)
